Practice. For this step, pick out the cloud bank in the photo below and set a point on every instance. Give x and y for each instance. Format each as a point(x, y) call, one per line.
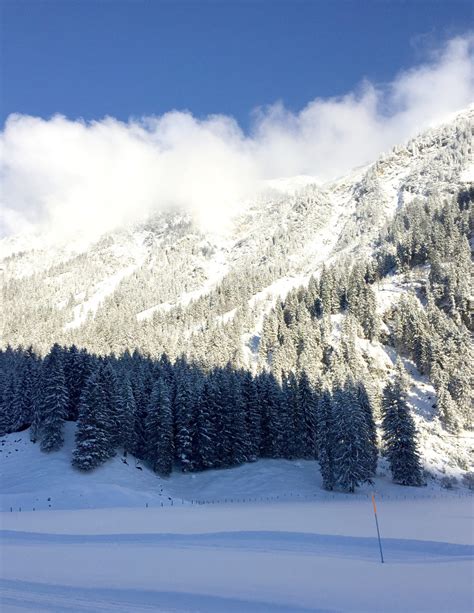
point(64, 178)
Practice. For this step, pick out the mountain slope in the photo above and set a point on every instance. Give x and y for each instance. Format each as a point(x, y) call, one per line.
point(249, 296)
point(166, 264)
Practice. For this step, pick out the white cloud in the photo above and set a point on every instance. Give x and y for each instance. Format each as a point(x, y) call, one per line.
point(67, 177)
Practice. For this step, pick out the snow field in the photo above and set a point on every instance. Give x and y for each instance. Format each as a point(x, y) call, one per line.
point(311, 556)
point(35, 480)
point(289, 547)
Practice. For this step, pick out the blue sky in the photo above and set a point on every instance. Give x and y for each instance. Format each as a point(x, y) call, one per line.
point(117, 109)
point(92, 58)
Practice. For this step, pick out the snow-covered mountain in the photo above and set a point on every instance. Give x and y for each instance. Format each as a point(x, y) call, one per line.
point(53, 293)
point(167, 286)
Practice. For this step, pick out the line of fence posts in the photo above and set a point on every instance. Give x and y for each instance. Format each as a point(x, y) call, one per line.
point(313, 497)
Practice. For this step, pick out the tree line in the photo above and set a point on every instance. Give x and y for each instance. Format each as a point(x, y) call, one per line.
point(179, 416)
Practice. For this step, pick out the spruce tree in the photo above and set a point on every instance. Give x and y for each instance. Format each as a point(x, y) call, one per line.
point(326, 291)
point(25, 400)
point(140, 403)
point(7, 405)
point(234, 412)
point(447, 411)
point(159, 430)
point(111, 389)
point(296, 426)
point(400, 436)
point(325, 439)
point(273, 437)
point(184, 421)
point(204, 441)
point(366, 406)
point(307, 403)
point(252, 413)
point(126, 408)
point(351, 452)
point(94, 444)
point(223, 418)
point(54, 401)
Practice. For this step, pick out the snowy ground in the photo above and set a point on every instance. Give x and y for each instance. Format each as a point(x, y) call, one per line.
point(288, 547)
point(307, 556)
point(36, 481)
point(260, 537)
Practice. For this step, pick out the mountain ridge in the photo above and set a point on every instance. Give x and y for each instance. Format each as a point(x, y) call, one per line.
point(312, 224)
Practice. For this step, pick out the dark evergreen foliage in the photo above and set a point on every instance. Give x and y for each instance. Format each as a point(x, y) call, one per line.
point(400, 435)
point(205, 432)
point(126, 410)
point(94, 440)
point(159, 430)
point(352, 452)
point(252, 414)
point(184, 420)
point(325, 439)
point(366, 406)
point(273, 435)
point(307, 403)
point(54, 401)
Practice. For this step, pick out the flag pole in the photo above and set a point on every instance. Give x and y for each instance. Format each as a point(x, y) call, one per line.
point(377, 524)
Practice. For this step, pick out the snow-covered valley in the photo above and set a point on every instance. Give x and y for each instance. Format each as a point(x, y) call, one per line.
point(286, 292)
point(300, 556)
point(259, 537)
point(236, 306)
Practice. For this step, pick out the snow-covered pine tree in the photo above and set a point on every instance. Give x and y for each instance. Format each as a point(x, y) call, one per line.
point(274, 416)
point(325, 439)
point(166, 371)
point(184, 402)
point(311, 298)
point(252, 413)
point(352, 454)
point(366, 405)
point(94, 443)
point(77, 369)
point(326, 343)
point(221, 410)
point(140, 402)
point(37, 418)
point(204, 441)
point(159, 430)
point(110, 384)
point(348, 346)
point(126, 415)
point(308, 344)
point(25, 400)
point(447, 410)
point(234, 413)
point(326, 291)
point(54, 401)
point(296, 424)
point(7, 404)
point(400, 436)
point(307, 403)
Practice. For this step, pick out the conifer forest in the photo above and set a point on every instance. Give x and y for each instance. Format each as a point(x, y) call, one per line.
point(313, 395)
